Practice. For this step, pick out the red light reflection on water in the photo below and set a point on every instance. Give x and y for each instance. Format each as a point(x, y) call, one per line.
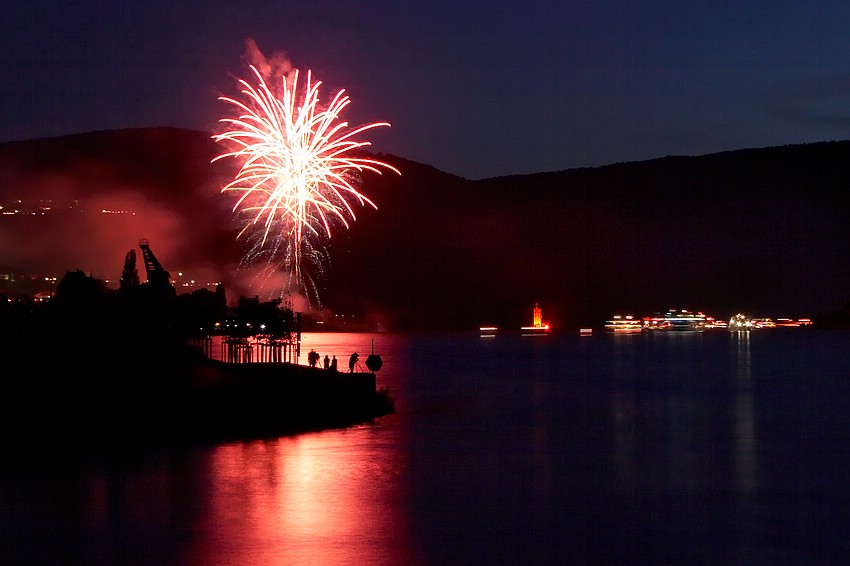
point(332, 497)
point(324, 498)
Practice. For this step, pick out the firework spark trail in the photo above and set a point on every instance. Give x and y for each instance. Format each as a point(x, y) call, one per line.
point(296, 173)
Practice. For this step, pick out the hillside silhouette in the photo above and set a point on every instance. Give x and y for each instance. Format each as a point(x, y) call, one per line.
point(755, 230)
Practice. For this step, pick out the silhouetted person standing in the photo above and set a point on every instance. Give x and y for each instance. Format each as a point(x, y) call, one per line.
point(333, 364)
point(351, 361)
point(327, 361)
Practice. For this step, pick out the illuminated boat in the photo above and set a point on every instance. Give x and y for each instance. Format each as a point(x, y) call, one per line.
point(792, 322)
point(764, 323)
point(676, 320)
point(742, 322)
point(623, 324)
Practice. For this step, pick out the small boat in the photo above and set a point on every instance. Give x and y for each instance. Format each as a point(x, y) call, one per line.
point(535, 330)
point(623, 324)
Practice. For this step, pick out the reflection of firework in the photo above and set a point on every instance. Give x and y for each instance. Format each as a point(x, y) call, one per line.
point(297, 175)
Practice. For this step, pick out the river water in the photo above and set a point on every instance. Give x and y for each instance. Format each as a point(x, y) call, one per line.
point(662, 448)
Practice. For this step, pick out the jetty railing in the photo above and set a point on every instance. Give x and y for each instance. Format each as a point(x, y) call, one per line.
point(246, 350)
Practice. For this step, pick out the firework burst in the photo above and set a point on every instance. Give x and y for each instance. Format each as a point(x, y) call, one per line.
point(297, 175)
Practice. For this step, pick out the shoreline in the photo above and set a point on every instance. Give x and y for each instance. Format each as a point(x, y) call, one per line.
point(182, 399)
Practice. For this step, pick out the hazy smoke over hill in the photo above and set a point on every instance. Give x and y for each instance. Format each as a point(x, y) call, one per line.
point(84, 204)
point(754, 230)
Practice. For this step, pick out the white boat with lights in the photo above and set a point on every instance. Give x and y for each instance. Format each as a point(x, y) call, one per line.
point(741, 322)
point(711, 322)
point(676, 320)
point(624, 324)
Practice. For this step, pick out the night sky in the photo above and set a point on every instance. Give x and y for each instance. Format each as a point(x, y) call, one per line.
point(478, 89)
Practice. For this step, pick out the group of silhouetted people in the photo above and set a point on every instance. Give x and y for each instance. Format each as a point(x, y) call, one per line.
point(330, 364)
point(313, 358)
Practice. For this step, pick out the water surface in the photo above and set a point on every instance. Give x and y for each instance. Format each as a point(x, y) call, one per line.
point(688, 448)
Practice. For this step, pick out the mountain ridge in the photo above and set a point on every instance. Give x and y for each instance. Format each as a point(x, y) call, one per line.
point(757, 229)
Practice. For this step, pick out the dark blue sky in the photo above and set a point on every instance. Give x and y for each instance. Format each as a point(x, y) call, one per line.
point(478, 89)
